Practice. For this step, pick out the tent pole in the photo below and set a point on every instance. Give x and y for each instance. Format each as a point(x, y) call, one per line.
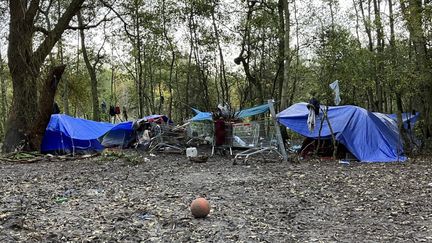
point(278, 132)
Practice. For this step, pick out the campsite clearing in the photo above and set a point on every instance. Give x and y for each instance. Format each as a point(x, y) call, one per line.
point(123, 198)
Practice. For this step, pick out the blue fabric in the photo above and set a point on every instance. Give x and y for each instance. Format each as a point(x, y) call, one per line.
point(202, 116)
point(252, 111)
point(369, 137)
point(119, 136)
point(408, 119)
point(65, 133)
point(122, 133)
point(123, 126)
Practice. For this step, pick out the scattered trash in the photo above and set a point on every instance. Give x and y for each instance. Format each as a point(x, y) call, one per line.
point(145, 216)
point(60, 200)
point(191, 152)
point(344, 162)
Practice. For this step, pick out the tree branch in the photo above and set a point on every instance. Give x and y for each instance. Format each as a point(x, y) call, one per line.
point(31, 11)
point(125, 25)
point(88, 26)
point(40, 29)
point(54, 35)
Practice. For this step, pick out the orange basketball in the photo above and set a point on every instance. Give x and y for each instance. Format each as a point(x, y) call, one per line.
point(200, 208)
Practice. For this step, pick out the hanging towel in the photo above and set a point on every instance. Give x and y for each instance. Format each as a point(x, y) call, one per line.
point(335, 87)
point(311, 119)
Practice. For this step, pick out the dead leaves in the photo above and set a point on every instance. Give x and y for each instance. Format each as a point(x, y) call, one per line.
point(120, 196)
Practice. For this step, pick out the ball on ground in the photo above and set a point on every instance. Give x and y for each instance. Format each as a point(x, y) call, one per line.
point(200, 208)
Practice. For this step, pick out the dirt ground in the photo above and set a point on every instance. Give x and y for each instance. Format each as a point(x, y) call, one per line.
point(147, 198)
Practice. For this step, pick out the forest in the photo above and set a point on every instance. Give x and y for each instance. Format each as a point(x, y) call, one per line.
point(73, 169)
point(164, 56)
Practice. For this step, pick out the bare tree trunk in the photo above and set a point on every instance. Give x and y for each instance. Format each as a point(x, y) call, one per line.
point(173, 57)
point(281, 50)
point(297, 53)
point(366, 21)
point(222, 74)
point(91, 70)
point(379, 55)
point(251, 78)
point(3, 88)
point(287, 56)
point(357, 21)
point(46, 100)
point(189, 69)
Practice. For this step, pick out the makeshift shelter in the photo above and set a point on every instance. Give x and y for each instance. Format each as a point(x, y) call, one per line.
point(370, 137)
point(65, 134)
point(201, 128)
point(123, 134)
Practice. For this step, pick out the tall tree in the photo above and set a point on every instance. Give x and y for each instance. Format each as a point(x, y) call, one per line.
point(287, 56)
point(91, 68)
point(27, 120)
point(413, 14)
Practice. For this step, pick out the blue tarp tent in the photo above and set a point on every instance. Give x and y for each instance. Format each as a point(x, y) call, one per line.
point(202, 116)
point(368, 136)
point(122, 134)
point(67, 134)
point(252, 111)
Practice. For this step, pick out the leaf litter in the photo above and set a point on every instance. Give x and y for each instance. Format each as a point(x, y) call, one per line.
point(127, 196)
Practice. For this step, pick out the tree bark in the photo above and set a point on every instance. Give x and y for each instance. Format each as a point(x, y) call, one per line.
point(222, 74)
point(3, 89)
point(173, 57)
point(379, 55)
point(24, 66)
point(46, 100)
point(91, 70)
point(252, 79)
point(287, 57)
point(281, 50)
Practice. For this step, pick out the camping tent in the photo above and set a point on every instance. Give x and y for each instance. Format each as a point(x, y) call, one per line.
point(370, 137)
point(123, 133)
point(67, 134)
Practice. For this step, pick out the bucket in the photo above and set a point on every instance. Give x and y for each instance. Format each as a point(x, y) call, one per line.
point(191, 152)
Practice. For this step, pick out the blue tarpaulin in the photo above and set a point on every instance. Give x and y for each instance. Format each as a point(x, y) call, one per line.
point(122, 133)
point(252, 111)
point(67, 134)
point(408, 119)
point(368, 136)
point(202, 116)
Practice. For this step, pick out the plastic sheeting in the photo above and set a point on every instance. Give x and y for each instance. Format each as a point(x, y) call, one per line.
point(408, 119)
point(152, 118)
point(366, 135)
point(66, 134)
point(252, 111)
point(202, 116)
point(122, 134)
